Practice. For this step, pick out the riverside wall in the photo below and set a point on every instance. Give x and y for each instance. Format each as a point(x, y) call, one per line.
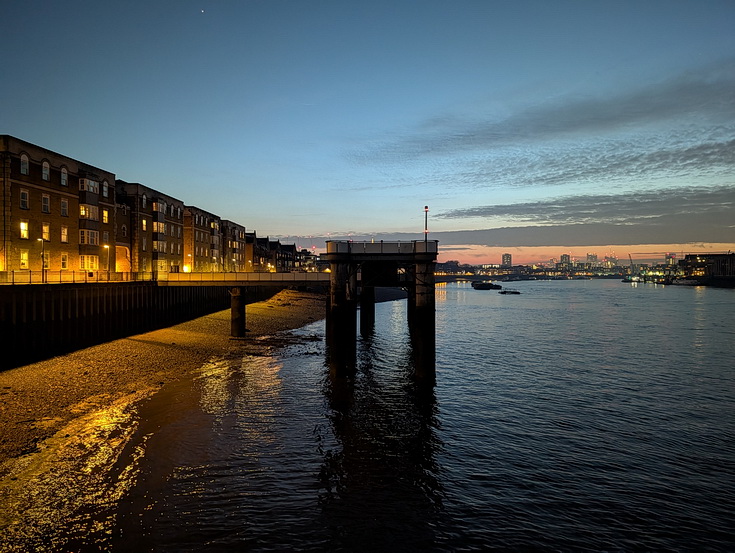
point(40, 321)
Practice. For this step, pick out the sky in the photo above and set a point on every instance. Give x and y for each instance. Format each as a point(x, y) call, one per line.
point(534, 128)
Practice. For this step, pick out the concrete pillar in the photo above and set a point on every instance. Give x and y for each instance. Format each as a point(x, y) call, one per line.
point(367, 310)
point(423, 323)
point(342, 319)
point(237, 313)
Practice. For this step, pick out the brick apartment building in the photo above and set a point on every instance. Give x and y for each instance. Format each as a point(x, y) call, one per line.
point(64, 220)
point(57, 213)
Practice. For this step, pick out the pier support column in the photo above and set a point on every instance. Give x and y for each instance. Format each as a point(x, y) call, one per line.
point(367, 310)
point(342, 318)
point(237, 313)
point(422, 319)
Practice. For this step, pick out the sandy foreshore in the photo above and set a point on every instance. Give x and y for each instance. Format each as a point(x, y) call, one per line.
point(38, 400)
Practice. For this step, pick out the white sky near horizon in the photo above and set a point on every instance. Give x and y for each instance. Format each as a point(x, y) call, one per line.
point(572, 121)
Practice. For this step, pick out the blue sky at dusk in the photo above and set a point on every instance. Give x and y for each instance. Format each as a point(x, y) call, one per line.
point(536, 128)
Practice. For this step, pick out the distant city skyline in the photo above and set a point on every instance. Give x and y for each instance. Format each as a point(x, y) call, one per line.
point(531, 128)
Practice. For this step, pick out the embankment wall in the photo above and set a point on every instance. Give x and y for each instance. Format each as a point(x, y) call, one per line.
point(40, 321)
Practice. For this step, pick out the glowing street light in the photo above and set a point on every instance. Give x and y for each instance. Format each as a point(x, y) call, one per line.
point(43, 259)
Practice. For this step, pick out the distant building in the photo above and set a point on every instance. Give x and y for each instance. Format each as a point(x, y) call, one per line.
point(152, 225)
point(233, 247)
point(202, 240)
point(506, 260)
point(670, 259)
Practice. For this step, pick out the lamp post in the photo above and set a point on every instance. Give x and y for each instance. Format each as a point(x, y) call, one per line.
point(426, 224)
point(43, 260)
point(108, 261)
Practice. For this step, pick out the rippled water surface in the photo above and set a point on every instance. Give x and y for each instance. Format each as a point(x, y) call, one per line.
point(583, 415)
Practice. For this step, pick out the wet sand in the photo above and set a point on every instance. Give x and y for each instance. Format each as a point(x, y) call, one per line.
point(40, 399)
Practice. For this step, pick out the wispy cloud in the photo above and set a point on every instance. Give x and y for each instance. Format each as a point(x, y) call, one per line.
point(680, 127)
point(717, 203)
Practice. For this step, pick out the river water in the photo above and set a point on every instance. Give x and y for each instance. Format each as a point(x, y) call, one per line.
point(576, 416)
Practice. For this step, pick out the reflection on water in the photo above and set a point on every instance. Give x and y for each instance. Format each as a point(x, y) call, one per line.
point(64, 497)
point(576, 416)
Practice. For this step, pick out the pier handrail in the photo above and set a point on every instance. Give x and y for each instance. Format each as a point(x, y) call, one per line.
point(382, 247)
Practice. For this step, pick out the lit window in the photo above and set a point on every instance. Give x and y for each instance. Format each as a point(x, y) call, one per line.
point(88, 262)
point(64, 234)
point(24, 229)
point(23, 259)
point(46, 231)
point(24, 199)
point(105, 216)
point(46, 171)
point(145, 224)
point(64, 260)
point(64, 177)
point(24, 164)
point(46, 203)
point(91, 212)
point(64, 207)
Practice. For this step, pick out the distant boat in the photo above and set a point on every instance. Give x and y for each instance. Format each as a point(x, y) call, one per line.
point(686, 282)
point(486, 286)
point(509, 291)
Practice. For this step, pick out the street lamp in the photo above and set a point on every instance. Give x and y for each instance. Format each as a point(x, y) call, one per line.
point(426, 223)
point(43, 259)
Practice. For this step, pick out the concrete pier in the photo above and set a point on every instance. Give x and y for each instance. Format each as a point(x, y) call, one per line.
point(406, 264)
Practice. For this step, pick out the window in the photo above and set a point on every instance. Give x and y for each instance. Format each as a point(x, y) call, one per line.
point(24, 230)
point(144, 222)
point(106, 237)
point(88, 262)
point(24, 164)
point(143, 201)
point(91, 237)
point(65, 234)
point(46, 231)
point(45, 260)
point(24, 199)
point(159, 227)
point(145, 244)
point(46, 171)
point(23, 259)
point(179, 214)
point(179, 232)
point(64, 260)
point(105, 189)
point(64, 177)
point(64, 207)
point(89, 185)
point(124, 230)
point(105, 216)
point(46, 203)
point(91, 212)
